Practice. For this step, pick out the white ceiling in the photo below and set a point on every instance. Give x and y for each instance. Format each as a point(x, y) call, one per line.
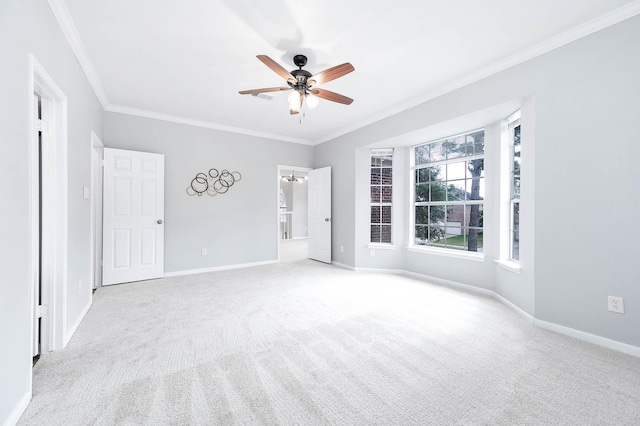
point(186, 60)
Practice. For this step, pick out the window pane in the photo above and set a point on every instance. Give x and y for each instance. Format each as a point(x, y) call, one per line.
point(386, 176)
point(421, 235)
point(422, 175)
point(387, 194)
point(457, 170)
point(456, 190)
point(437, 173)
point(438, 192)
point(422, 193)
point(375, 233)
point(515, 234)
point(455, 215)
point(438, 151)
point(455, 147)
point(474, 240)
point(375, 214)
point(421, 215)
point(455, 237)
point(477, 139)
point(475, 188)
point(375, 176)
point(436, 215)
point(385, 234)
point(421, 154)
point(375, 194)
point(476, 216)
point(386, 214)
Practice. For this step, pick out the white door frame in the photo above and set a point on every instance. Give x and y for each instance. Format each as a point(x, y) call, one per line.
point(97, 148)
point(54, 207)
point(280, 170)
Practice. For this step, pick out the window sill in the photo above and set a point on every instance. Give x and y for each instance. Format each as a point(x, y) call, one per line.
point(381, 246)
point(477, 257)
point(509, 265)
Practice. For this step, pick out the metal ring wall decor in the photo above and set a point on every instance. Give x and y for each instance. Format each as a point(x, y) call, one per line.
point(213, 183)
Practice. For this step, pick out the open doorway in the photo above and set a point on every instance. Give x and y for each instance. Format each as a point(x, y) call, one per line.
point(292, 213)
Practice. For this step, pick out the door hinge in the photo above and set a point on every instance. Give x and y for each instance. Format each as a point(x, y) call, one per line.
point(42, 125)
point(42, 311)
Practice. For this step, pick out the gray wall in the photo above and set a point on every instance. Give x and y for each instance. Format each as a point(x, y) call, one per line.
point(30, 27)
point(579, 106)
point(238, 227)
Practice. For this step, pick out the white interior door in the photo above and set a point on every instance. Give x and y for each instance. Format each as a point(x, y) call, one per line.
point(320, 214)
point(133, 215)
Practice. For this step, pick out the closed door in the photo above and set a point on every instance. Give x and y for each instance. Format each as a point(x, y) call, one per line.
point(133, 216)
point(319, 239)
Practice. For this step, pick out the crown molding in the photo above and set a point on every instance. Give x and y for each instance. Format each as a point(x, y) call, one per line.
point(204, 124)
point(65, 21)
point(70, 31)
point(616, 16)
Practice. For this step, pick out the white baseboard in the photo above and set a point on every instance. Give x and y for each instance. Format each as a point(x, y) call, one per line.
point(69, 334)
point(567, 331)
point(381, 271)
point(19, 410)
point(217, 268)
point(528, 317)
point(343, 266)
point(591, 338)
point(448, 283)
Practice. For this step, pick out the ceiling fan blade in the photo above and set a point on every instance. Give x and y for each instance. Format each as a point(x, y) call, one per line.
point(332, 96)
point(276, 67)
point(330, 74)
point(268, 89)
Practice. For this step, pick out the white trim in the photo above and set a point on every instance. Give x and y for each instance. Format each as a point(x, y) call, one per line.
point(75, 325)
point(509, 265)
point(597, 24)
point(571, 332)
point(528, 317)
point(458, 254)
point(217, 268)
point(19, 409)
point(381, 246)
point(447, 283)
point(590, 338)
point(70, 31)
point(380, 271)
point(55, 239)
point(205, 124)
point(95, 226)
point(68, 27)
point(343, 266)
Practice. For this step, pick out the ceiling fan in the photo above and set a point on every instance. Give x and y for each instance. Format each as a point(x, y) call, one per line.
point(303, 83)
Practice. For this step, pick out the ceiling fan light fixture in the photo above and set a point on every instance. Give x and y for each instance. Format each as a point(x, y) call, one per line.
point(311, 100)
point(294, 101)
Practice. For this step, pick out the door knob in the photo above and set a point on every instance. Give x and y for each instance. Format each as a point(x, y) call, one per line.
point(159, 221)
point(327, 219)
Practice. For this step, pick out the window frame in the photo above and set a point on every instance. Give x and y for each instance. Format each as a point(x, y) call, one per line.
point(513, 122)
point(452, 250)
point(380, 153)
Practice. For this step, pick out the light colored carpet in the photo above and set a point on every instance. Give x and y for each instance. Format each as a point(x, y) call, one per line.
point(290, 250)
point(304, 343)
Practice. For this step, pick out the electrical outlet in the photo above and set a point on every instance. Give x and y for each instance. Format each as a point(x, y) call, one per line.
point(203, 252)
point(341, 249)
point(372, 252)
point(616, 304)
